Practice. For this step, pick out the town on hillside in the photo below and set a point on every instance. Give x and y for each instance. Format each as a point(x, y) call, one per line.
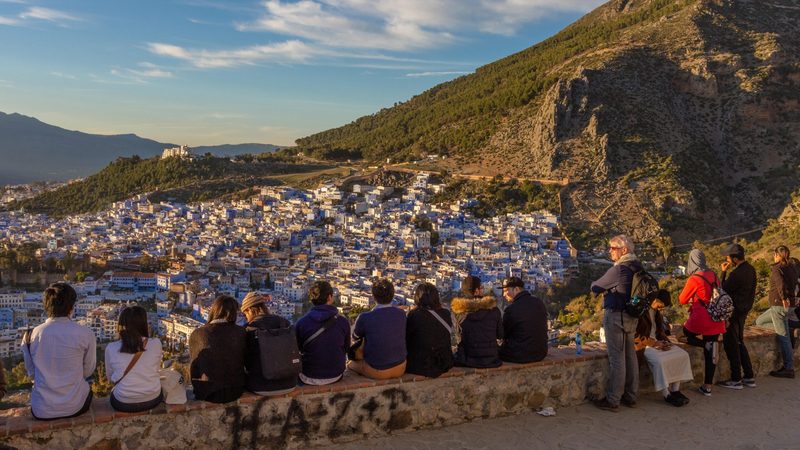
point(176, 258)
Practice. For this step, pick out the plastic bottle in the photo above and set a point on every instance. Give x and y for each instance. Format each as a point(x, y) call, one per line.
point(578, 349)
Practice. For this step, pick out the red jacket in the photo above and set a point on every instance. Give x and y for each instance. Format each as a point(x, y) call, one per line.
point(699, 321)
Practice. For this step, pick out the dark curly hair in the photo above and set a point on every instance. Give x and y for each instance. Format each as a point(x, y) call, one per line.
point(383, 291)
point(59, 299)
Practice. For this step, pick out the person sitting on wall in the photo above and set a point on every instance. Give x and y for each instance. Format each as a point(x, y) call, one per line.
point(382, 332)
point(59, 356)
point(480, 324)
point(132, 364)
point(216, 352)
point(524, 324)
point(428, 331)
point(323, 337)
point(258, 317)
point(670, 364)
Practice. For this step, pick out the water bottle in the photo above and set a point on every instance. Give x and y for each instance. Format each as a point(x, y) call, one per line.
point(578, 349)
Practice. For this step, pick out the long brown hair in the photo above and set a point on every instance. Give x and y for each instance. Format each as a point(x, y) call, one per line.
point(224, 307)
point(782, 252)
point(427, 296)
point(132, 328)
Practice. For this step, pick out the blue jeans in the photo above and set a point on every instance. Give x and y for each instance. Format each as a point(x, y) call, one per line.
point(775, 317)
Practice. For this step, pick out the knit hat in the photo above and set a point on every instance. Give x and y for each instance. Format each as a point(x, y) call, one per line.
point(697, 262)
point(252, 299)
point(513, 282)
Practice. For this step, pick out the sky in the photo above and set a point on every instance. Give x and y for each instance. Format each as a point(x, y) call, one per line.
point(207, 72)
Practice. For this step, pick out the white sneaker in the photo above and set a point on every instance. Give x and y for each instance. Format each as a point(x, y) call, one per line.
point(749, 382)
point(730, 384)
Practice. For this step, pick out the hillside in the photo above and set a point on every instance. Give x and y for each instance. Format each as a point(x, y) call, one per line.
point(666, 116)
point(31, 150)
point(174, 179)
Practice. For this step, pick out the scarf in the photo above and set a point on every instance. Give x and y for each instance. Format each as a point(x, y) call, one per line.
point(697, 262)
point(628, 257)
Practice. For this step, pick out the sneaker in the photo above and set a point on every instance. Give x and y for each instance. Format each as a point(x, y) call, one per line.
point(604, 404)
point(730, 384)
point(749, 382)
point(628, 403)
point(674, 400)
point(782, 373)
point(703, 390)
point(680, 395)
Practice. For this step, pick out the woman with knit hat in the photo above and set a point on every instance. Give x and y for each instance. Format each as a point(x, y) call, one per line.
point(700, 329)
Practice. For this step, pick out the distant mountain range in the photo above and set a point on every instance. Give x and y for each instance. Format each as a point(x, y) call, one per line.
point(31, 150)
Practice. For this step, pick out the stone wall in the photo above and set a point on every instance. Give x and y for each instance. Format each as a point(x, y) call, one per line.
point(354, 408)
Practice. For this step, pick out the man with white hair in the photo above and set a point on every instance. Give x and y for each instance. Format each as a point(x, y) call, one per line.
point(619, 327)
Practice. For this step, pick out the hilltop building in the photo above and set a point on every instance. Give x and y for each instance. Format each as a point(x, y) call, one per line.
point(183, 152)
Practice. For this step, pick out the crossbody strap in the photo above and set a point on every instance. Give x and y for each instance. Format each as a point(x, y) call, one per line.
point(441, 321)
point(135, 358)
point(712, 285)
point(321, 330)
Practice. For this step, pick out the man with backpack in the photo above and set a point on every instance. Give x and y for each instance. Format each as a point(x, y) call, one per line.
point(619, 326)
point(323, 337)
point(739, 281)
point(271, 359)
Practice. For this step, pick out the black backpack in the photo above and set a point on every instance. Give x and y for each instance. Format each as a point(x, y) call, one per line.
point(644, 290)
point(280, 358)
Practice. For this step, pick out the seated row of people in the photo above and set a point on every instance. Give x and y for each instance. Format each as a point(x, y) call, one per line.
point(384, 342)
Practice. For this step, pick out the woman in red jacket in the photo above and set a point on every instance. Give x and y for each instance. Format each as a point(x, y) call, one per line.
point(700, 329)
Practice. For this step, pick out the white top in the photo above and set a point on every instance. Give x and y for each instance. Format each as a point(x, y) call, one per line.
point(142, 383)
point(62, 356)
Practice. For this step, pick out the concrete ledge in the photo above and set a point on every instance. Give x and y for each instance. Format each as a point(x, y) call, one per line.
point(353, 408)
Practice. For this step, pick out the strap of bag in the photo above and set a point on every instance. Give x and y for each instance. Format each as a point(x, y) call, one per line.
point(712, 285)
point(327, 324)
point(441, 321)
point(135, 358)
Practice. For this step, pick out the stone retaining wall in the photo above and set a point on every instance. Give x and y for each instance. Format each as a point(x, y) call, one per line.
point(354, 408)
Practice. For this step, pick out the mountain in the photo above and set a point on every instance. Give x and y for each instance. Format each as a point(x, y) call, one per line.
point(31, 150)
point(677, 117)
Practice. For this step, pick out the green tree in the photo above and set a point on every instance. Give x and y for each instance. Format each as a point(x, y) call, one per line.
point(101, 387)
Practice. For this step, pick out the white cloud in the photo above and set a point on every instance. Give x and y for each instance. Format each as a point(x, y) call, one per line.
point(339, 31)
point(284, 52)
point(10, 21)
point(64, 75)
point(435, 74)
point(47, 14)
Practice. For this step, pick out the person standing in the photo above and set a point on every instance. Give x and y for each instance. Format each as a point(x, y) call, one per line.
point(524, 324)
point(700, 329)
point(739, 281)
point(782, 285)
point(619, 327)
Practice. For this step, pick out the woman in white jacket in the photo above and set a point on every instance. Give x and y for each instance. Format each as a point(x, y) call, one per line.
point(132, 364)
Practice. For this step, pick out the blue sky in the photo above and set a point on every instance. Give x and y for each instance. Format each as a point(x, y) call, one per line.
point(212, 71)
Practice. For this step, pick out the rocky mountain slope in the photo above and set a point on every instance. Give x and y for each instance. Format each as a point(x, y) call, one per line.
point(677, 117)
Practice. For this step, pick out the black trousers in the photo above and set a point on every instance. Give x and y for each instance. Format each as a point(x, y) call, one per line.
point(135, 407)
point(735, 348)
point(707, 343)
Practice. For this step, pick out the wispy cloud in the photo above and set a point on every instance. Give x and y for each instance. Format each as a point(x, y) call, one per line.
point(38, 14)
point(5, 84)
point(435, 74)
point(283, 52)
point(10, 21)
point(47, 14)
point(142, 73)
point(63, 75)
point(337, 32)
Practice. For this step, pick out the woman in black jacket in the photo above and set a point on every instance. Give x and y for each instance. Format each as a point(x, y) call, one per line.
point(428, 330)
point(217, 354)
point(481, 326)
